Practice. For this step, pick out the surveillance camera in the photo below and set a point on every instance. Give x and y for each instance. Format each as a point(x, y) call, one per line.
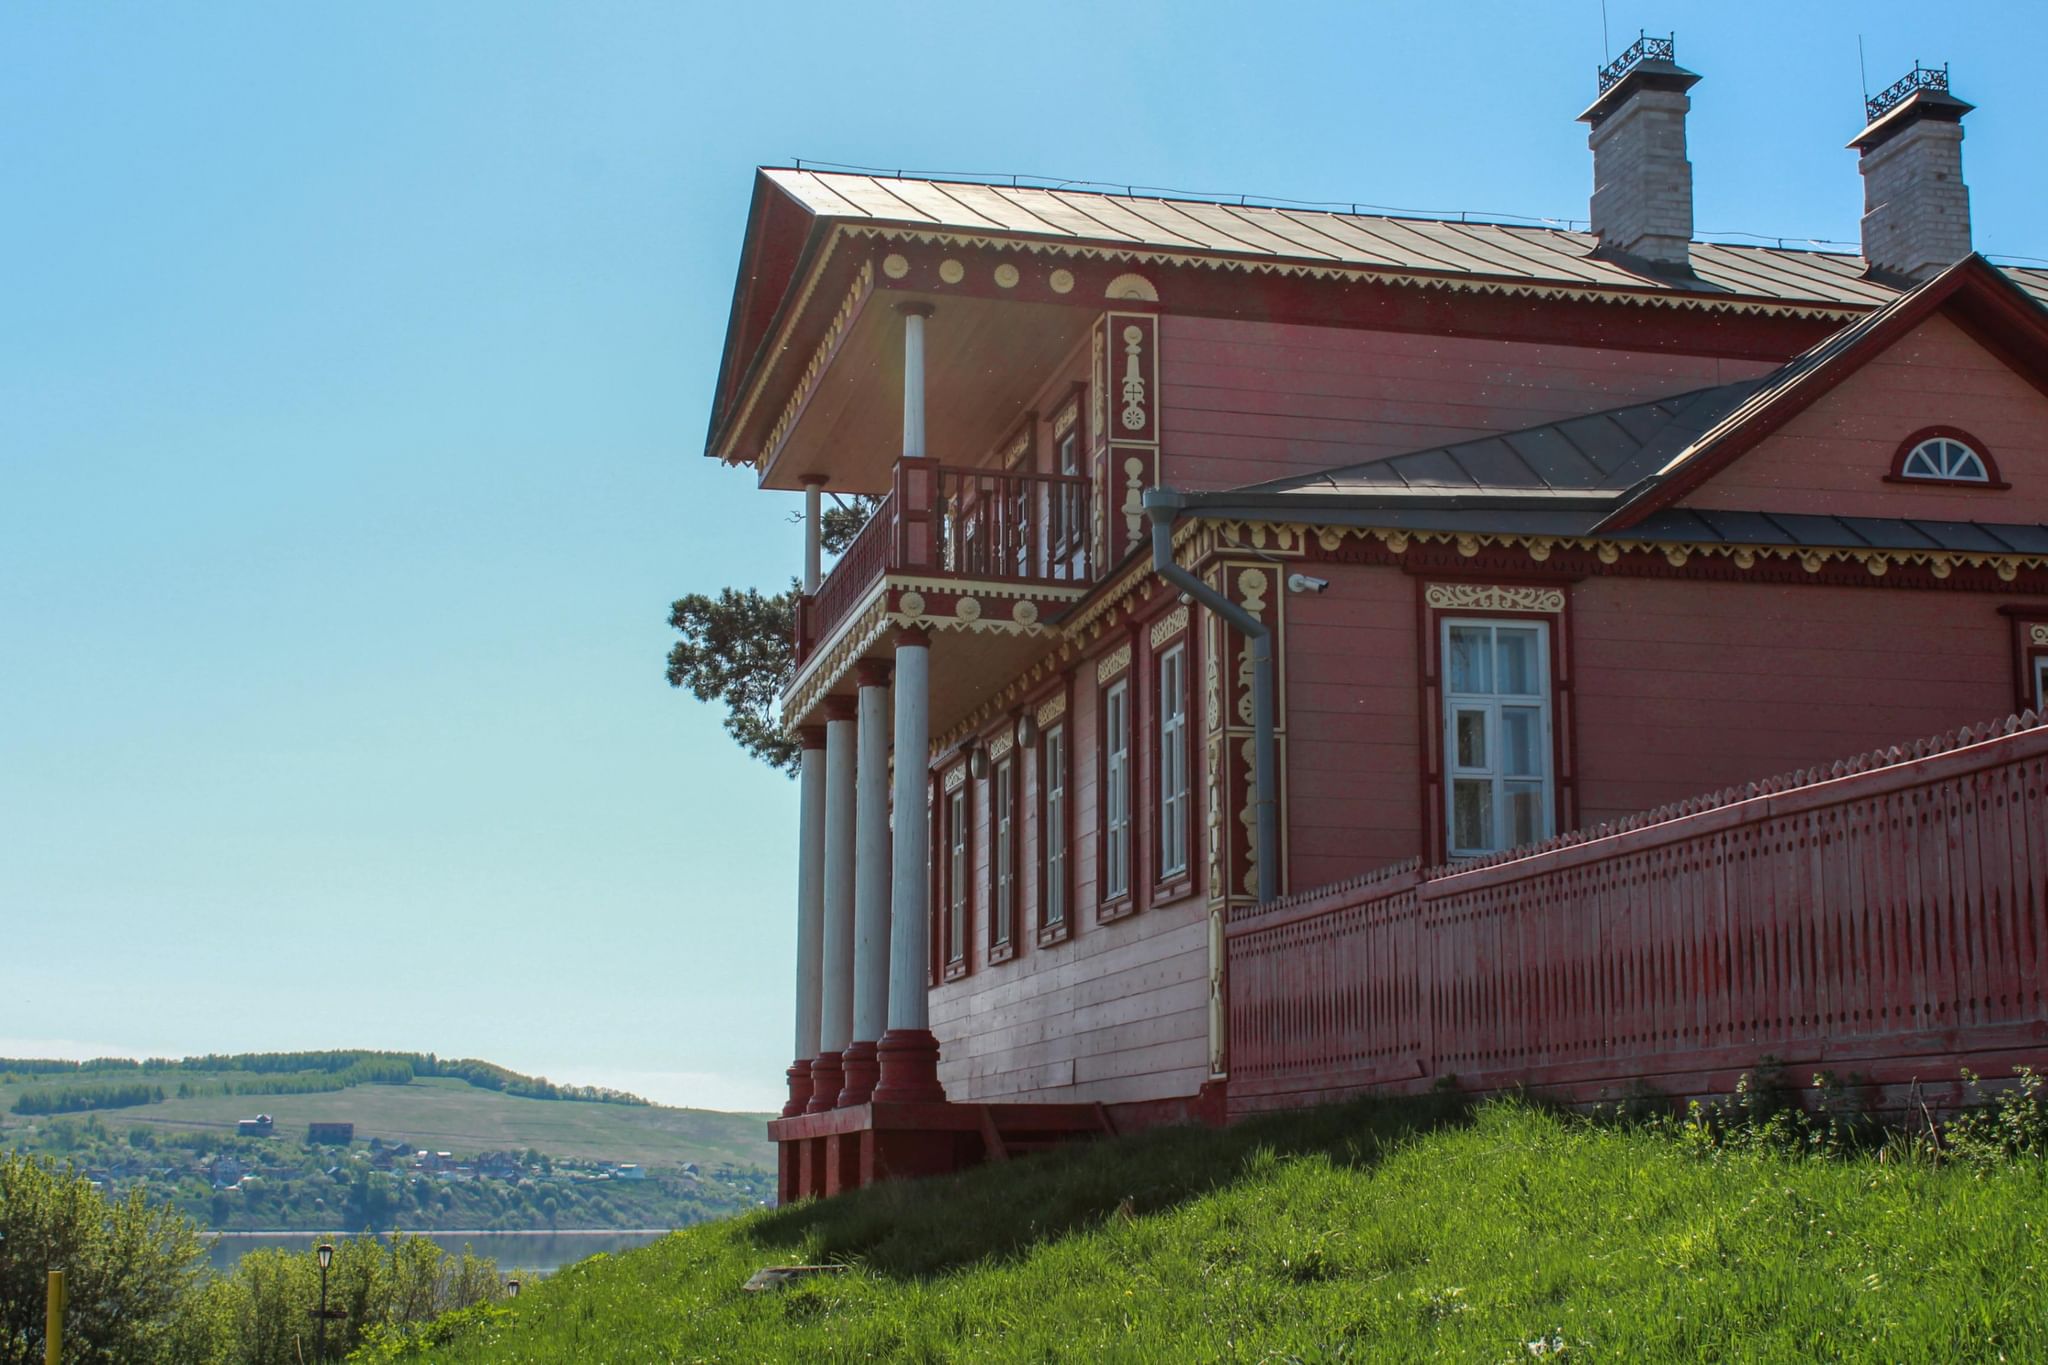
point(1301, 582)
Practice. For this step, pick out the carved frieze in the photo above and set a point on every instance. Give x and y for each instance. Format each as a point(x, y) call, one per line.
point(1169, 625)
point(1492, 597)
point(1113, 663)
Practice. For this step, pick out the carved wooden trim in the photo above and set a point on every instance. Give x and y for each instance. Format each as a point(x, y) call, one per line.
point(1493, 597)
point(1113, 663)
point(1169, 625)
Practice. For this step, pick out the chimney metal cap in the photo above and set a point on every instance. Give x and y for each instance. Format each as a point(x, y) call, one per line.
point(1649, 64)
point(1921, 95)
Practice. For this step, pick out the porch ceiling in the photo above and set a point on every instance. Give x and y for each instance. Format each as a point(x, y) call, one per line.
point(983, 360)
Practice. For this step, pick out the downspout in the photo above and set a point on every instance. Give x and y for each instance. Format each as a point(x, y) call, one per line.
point(1163, 505)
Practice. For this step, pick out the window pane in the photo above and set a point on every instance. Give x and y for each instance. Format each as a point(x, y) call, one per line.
point(1920, 465)
point(2041, 684)
point(1517, 653)
point(1471, 659)
point(1525, 814)
point(1471, 739)
point(1521, 742)
point(1471, 814)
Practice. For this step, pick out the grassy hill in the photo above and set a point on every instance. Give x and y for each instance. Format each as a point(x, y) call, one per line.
point(434, 1111)
point(1366, 1232)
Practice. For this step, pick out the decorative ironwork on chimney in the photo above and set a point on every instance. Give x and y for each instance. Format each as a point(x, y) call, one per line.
point(1899, 91)
point(1644, 49)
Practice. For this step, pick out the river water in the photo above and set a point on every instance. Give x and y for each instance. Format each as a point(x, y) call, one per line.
point(540, 1252)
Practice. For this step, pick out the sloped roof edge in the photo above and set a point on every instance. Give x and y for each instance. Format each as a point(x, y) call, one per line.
point(1994, 307)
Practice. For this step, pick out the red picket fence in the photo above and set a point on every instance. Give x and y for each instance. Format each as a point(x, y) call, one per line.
point(1885, 919)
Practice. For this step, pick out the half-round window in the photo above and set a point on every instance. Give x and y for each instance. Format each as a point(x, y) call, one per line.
point(1945, 455)
point(1945, 458)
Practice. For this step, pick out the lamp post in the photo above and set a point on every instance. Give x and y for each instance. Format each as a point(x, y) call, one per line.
point(512, 1286)
point(324, 1253)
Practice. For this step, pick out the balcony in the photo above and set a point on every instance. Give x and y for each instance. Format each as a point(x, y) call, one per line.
point(947, 521)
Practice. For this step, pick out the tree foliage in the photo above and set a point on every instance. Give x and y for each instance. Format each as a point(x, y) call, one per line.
point(738, 646)
point(133, 1271)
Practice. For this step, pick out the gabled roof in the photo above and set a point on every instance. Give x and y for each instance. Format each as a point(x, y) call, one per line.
point(1997, 312)
point(1621, 470)
point(1400, 244)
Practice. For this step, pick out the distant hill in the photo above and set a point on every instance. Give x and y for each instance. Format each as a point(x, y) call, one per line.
point(170, 1127)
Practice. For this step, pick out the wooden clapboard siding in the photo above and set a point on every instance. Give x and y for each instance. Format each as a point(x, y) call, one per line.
point(1117, 1013)
point(1685, 686)
point(1831, 459)
point(1353, 720)
point(1246, 401)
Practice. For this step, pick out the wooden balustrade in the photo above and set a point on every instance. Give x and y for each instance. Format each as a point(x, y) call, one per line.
point(960, 522)
point(1886, 919)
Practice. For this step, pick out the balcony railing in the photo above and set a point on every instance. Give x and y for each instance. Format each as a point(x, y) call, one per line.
point(957, 522)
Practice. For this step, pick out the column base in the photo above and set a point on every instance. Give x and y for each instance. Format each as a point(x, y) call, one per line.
point(799, 1074)
point(861, 1069)
point(909, 1068)
point(826, 1080)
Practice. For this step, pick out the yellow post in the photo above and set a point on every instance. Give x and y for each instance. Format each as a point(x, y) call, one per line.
point(53, 1322)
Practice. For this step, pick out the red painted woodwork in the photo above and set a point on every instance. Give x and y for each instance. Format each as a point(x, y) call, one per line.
point(954, 522)
point(909, 1072)
point(861, 1069)
point(1832, 458)
point(1886, 919)
point(1247, 401)
point(828, 1078)
point(799, 1087)
point(848, 582)
point(843, 1149)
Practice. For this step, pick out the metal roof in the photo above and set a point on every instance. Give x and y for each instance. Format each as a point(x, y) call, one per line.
point(1318, 237)
point(1601, 453)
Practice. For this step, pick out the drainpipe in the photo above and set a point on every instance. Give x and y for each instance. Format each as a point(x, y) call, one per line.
point(1163, 505)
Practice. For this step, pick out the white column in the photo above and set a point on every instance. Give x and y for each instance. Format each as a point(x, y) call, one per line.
point(910, 928)
point(914, 315)
point(810, 890)
point(835, 1018)
point(871, 857)
point(814, 526)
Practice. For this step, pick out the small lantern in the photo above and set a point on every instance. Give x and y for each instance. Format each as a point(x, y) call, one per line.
point(324, 1253)
point(977, 762)
point(1027, 731)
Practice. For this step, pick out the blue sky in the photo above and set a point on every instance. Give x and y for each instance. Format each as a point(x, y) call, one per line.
point(354, 369)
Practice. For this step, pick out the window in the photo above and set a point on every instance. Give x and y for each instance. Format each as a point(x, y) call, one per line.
point(1003, 857)
point(1943, 458)
point(1067, 506)
point(1496, 735)
point(1944, 455)
point(1173, 763)
point(1116, 790)
point(956, 876)
point(1052, 838)
point(2040, 684)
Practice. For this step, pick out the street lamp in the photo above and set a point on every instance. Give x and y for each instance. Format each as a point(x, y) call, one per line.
point(324, 1253)
point(512, 1286)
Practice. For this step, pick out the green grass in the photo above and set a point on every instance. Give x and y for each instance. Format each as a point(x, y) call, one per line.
point(447, 1113)
point(1372, 1231)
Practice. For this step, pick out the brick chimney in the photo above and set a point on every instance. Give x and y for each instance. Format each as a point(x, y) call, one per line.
point(1916, 209)
point(1642, 183)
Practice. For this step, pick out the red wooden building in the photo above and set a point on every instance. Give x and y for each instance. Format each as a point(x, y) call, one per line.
point(1277, 623)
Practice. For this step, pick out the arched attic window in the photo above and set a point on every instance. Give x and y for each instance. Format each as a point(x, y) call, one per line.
point(1945, 455)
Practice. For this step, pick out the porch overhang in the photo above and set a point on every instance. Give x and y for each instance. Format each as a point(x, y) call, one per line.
point(983, 632)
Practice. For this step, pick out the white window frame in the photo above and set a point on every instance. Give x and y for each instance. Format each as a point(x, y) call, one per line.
point(1052, 834)
point(957, 875)
point(1172, 668)
point(1490, 705)
point(2040, 683)
point(1116, 789)
point(1003, 857)
point(1944, 456)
